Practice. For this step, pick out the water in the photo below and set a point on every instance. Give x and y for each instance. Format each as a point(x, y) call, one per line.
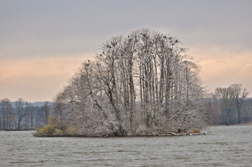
point(225, 146)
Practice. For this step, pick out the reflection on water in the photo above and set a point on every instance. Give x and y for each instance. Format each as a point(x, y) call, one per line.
point(225, 146)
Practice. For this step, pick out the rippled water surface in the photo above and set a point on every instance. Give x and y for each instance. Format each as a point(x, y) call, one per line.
point(224, 146)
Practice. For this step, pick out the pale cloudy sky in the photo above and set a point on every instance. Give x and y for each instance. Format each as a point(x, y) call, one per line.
point(43, 42)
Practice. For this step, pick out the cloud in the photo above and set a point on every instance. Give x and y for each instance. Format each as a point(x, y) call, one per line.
point(224, 71)
point(36, 79)
point(43, 42)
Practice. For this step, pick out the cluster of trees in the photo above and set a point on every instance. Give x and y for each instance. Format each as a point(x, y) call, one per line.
point(230, 105)
point(140, 84)
point(22, 114)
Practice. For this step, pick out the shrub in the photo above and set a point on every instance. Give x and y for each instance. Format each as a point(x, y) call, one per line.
point(53, 129)
point(72, 131)
point(47, 130)
point(58, 132)
point(53, 121)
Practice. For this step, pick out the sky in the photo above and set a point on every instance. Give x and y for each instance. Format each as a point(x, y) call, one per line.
point(43, 42)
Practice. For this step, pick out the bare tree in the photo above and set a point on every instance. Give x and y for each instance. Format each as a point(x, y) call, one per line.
point(240, 95)
point(231, 103)
point(213, 109)
point(226, 104)
point(39, 116)
point(6, 113)
point(46, 109)
point(247, 117)
point(23, 108)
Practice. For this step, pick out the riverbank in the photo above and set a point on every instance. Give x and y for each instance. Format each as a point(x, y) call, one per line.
point(168, 134)
point(241, 124)
point(53, 129)
point(17, 130)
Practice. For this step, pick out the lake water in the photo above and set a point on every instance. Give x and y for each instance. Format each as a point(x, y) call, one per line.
point(224, 146)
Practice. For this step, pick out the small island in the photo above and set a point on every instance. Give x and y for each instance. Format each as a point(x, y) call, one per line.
point(143, 84)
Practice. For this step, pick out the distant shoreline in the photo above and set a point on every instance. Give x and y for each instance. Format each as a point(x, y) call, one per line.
point(131, 136)
point(17, 130)
point(242, 124)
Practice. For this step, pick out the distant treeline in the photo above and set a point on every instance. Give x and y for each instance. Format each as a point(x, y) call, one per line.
point(228, 106)
point(22, 114)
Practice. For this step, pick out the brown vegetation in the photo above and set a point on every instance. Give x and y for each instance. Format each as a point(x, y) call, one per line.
point(52, 129)
point(193, 131)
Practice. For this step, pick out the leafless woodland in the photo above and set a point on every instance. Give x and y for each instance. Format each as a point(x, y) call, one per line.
point(140, 84)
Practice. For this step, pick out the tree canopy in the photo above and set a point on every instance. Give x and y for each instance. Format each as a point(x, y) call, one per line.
point(139, 84)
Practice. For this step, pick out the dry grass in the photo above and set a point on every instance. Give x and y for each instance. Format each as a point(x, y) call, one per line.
point(244, 124)
point(193, 131)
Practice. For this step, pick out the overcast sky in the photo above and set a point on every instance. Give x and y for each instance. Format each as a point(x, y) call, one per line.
point(43, 42)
